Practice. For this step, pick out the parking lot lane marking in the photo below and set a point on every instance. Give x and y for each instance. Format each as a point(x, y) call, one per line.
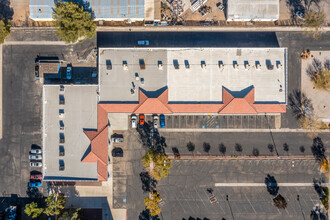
point(259, 184)
point(249, 202)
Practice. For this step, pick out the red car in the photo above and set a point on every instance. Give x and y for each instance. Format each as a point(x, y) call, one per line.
point(141, 118)
point(36, 177)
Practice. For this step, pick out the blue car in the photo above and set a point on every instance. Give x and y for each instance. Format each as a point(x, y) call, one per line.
point(68, 72)
point(162, 121)
point(34, 184)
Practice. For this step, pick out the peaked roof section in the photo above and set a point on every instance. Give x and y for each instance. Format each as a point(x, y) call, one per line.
point(153, 105)
point(234, 105)
point(98, 153)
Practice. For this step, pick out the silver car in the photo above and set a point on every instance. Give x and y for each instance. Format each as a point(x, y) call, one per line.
point(35, 164)
point(35, 151)
point(35, 157)
point(156, 120)
point(133, 121)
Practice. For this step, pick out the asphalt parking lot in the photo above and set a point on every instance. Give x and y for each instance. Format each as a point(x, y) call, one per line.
point(22, 114)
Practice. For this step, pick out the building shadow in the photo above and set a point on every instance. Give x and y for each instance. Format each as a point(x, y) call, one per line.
point(145, 215)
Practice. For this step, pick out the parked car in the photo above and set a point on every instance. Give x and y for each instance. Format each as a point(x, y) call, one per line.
point(300, 14)
point(35, 184)
point(220, 6)
point(36, 177)
point(141, 120)
point(117, 152)
point(35, 164)
point(117, 138)
point(35, 151)
point(133, 121)
point(156, 120)
point(143, 42)
point(35, 157)
point(162, 121)
point(69, 72)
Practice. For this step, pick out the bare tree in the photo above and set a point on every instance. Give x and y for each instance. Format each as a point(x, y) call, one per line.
point(280, 202)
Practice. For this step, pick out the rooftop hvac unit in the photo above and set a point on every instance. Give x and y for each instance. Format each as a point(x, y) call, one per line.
point(142, 64)
point(61, 165)
point(61, 88)
point(203, 64)
point(279, 66)
point(187, 65)
point(176, 64)
point(108, 64)
point(270, 67)
point(61, 113)
point(258, 66)
point(125, 66)
point(61, 151)
point(62, 138)
point(221, 65)
point(236, 66)
point(160, 64)
point(61, 125)
point(61, 100)
point(247, 66)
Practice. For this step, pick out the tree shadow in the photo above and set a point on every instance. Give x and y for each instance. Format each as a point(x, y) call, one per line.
point(145, 215)
point(271, 184)
point(270, 148)
point(302, 149)
point(286, 147)
point(175, 151)
point(317, 213)
point(150, 138)
point(222, 148)
point(314, 68)
point(255, 152)
point(303, 6)
point(68, 191)
point(33, 193)
point(191, 147)
point(238, 148)
point(318, 149)
point(6, 12)
point(206, 147)
point(297, 100)
point(148, 183)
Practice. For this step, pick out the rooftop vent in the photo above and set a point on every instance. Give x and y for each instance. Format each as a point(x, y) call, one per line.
point(61, 151)
point(125, 67)
point(235, 64)
point(270, 67)
point(61, 113)
point(221, 65)
point(142, 64)
point(203, 64)
point(61, 125)
point(186, 64)
point(258, 66)
point(61, 88)
point(247, 65)
point(137, 77)
point(279, 65)
point(109, 65)
point(62, 138)
point(176, 64)
point(160, 65)
point(61, 100)
point(61, 165)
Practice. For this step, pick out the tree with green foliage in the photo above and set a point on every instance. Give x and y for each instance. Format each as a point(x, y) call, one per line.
point(4, 30)
point(151, 203)
point(73, 22)
point(54, 204)
point(32, 209)
point(314, 20)
point(321, 79)
point(160, 164)
point(70, 214)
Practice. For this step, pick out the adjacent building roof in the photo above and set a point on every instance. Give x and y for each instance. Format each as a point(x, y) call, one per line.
point(256, 10)
point(102, 9)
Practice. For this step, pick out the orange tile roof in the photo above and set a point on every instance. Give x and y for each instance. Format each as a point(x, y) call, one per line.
point(274, 108)
point(238, 106)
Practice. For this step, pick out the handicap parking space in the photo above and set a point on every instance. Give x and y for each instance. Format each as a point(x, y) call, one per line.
point(220, 121)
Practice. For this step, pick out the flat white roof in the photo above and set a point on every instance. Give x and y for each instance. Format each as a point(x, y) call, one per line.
point(256, 10)
point(198, 83)
point(80, 112)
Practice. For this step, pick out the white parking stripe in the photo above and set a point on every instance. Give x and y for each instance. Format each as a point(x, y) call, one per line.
point(259, 184)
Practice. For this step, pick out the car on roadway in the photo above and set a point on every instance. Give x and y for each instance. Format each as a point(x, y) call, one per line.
point(36, 177)
point(34, 184)
point(35, 157)
point(133, 121)
point(156, 120)
point(35, 164)
point(143, 43)
point(162, 121)
point(69, 72)
point(35, 151)
point(141, 120)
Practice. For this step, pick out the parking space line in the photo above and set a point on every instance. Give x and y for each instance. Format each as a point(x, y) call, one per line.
point(260, 184)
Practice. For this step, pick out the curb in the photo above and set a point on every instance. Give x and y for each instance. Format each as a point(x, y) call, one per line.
point(228, 157)
point(239, 130)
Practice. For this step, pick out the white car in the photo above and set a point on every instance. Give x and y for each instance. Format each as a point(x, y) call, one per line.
point(35, 164)
point(156, 119)
point(133, 121)
point(35, 151)
point(35, 157)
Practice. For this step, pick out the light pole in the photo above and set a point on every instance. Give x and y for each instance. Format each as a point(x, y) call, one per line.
point(231, 211)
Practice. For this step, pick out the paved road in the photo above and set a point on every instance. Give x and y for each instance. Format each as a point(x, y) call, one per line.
point(247, 141)
point(188, 39)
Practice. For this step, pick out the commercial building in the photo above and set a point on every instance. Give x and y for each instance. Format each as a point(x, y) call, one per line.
point(154, 81)
point(257, 10)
